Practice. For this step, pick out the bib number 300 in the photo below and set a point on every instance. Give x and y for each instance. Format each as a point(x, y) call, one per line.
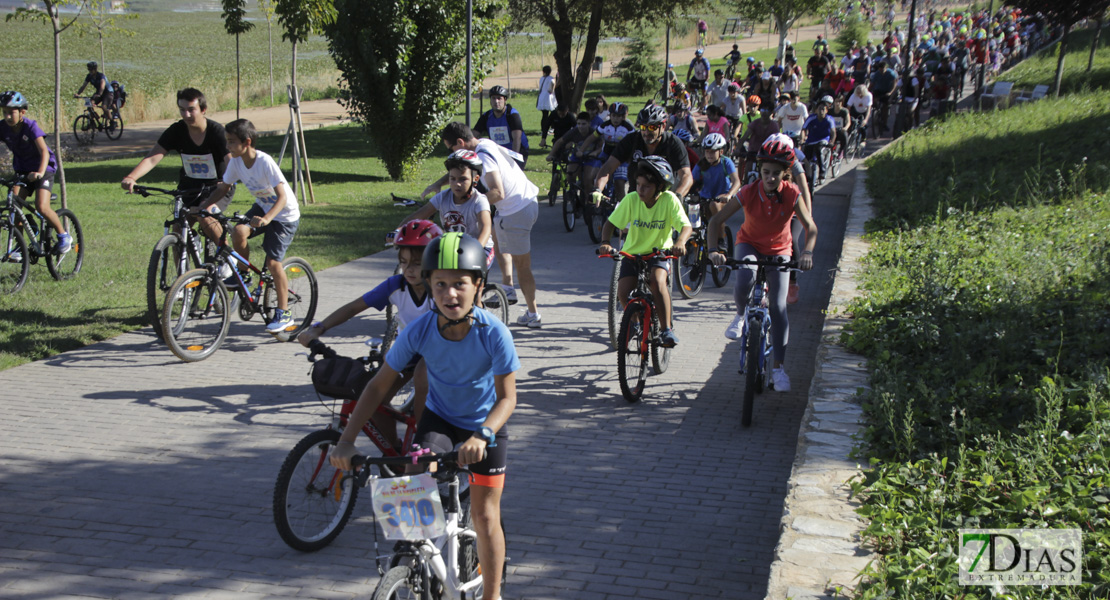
point(409, 508)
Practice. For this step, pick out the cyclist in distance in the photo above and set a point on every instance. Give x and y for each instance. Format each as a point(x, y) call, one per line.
point(819, 128)
point(651, 214)
point(859, 109)
point(33, 159)
point(882, 86)
point(758, 130)
point(202, 144)
point(611, 133)
point(716, 173)
point(650, 138)
point(502, 124)
point(461, 207)
point(699, 68)
point(472, 365)
point(791, 117)
point(102, 92)
point(580, 148)
point(768, 206)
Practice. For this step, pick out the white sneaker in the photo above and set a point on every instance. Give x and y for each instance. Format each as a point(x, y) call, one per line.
point(779, 380)
point(735, 329)
point(510, 293)
point(530, 320)
point(225, 272)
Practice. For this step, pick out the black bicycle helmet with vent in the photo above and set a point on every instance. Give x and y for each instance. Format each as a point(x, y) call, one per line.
point(652, 114)
point(498, 90)
point(658, 169)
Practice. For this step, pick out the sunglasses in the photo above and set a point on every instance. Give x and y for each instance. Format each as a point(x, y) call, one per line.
point(655, 127)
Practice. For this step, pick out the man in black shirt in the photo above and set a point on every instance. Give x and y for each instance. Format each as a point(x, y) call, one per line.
point(818, 68)
point(650, 139)
point(562, 121)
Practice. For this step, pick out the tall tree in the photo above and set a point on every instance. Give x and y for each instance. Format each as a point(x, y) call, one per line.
point(1065, 13)
point(102, 23)
point(402, 65)
point(568, 18)
point(302, 18)
point(785, 13)
point(235, 22)
point(51, 13)
point(267, 8)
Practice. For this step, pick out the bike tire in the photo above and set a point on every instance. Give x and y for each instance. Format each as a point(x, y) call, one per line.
point(496, 302)
point(303, 295)
point(13, 270)
point(396, 584)
point(556, 185)
point(615, 310)
point(114, 129)
point(832, 163)
point(312, 502)
point(632, 355)
point(691, 269)
point(84, 129)
point(660, 356)
point(721, 275)
point(570, 208)
point(751, 371)
point(168, 261)
point(68, 265)
point(196, 316)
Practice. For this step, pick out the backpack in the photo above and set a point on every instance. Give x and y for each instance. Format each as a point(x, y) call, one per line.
point(119, 93)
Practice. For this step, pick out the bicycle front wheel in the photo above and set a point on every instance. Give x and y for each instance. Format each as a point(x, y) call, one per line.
point(84, 129)
point(398, 583)
point(496, 302)
point(690, 270)
point(114, 129)
point(725, 244)
point(632, 355)
point(312, 501)
point(615, 309)
point(556, 185)
point(196, 316)
point(570, 208)
point(14, 262)
point(751, 371)
point(168, 261)
point(302, 293)
point(67, 265)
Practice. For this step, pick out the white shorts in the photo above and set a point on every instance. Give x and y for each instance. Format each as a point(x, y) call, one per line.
point(514, 232)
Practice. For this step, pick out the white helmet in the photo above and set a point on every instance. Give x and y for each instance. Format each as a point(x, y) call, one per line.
point(780, 137)
point(714, 141)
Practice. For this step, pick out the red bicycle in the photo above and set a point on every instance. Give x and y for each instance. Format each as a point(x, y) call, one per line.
point(312, 499)
point(640, 329)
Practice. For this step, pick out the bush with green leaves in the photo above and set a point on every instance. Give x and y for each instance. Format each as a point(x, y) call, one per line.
point(854, 31)
point(403, 69)
point(640, 72)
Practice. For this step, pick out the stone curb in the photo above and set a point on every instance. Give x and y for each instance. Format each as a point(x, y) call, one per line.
point(819, 551)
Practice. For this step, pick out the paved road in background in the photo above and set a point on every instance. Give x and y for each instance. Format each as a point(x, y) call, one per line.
point(130, 474)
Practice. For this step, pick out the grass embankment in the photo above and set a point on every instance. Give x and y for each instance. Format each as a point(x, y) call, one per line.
point(1041, 69)
point(352, 214)
point(985, 326)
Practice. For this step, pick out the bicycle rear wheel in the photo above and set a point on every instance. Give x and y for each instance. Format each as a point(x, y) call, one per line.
point(496, 302)
point(303, 291)
point(615, 309)
point(14, 261)
point(570, 207)
point(751, 370)
point(312, 502)
point(725, 244)
point(114, 128)
point(690, 269)
point(65, 266)
point(196, 316)
point(632, 355)
point(84, 129)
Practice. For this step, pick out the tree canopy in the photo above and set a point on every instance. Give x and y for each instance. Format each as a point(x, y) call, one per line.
point(785, 13)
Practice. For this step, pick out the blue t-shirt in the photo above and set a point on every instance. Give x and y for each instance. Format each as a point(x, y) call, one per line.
point(25, 152)
point(818, 129)
point(460, 374)
point(714, 179)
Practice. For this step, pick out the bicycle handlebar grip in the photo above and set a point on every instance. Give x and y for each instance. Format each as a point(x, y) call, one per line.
point(317, 347)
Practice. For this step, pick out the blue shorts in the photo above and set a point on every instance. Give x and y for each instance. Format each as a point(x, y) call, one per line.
point(278, 234)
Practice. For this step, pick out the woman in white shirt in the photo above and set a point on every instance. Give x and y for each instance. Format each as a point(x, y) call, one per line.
point(546, 103)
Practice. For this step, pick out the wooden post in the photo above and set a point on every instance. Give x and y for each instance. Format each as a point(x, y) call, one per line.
point(304, 149)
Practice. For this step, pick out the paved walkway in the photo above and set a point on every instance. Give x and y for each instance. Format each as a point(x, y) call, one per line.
point(130, 474)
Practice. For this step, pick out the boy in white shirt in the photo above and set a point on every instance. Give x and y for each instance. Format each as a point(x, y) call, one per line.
point(275, 211)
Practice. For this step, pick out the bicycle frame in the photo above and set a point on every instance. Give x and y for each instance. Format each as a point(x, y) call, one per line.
point(24, 217)
point(758, 317)
point(436, 554)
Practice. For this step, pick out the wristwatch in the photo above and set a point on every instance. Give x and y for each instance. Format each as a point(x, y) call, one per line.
point(486, 434)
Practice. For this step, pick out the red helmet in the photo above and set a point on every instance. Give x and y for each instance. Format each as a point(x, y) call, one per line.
point(417, 234)
point(776, 151)
point(755, 100)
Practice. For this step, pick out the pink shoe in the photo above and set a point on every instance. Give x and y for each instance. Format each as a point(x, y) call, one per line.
point(792, 294)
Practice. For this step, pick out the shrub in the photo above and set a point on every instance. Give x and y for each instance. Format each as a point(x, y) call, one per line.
point(855, 30)
point(640, 72)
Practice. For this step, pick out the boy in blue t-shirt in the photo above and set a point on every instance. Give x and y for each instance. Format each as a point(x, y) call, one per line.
point(472, 366)
point(716, 173)
point(32, 158)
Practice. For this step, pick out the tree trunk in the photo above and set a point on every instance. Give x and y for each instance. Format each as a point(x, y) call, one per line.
point(563, 34)
point(293, 71)
point(237, 76)
point(784, 34)
point(55, 21)
point(103, 64)
point(593, 35)
point(270, 34)
point(1094, 44)
point(1060, 60)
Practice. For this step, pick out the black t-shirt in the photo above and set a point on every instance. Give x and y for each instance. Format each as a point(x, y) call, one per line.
point(818, 67)
point(632, 148)
point(562, 124)
point(861, 64)
point(840, 116)
point(94, 79)
point(200, 165)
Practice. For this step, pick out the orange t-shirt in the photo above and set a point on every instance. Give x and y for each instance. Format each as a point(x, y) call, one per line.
point(767, 220)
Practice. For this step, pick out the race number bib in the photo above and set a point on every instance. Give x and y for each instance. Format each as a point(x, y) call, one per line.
point(409, 508)
point(266, 197)
point(199, 166)
point(500, 135)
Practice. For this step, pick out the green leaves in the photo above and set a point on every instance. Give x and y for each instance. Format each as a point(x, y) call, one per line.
point(234, 15)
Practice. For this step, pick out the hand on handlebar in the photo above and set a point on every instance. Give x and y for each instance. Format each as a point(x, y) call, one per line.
point(340, 455)
point(128, 184)
point(308, 335)
point(596, 197)
point(805, 261)
point(472, 451)
point(604, 249)
point(718, 258)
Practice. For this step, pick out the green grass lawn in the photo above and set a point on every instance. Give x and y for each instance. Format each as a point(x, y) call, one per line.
point(352, 214)
point(1041, 69)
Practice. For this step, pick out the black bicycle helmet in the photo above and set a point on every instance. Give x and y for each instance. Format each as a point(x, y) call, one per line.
point(658, 169)
point(13, 99)
point(498, 90)
point(91, 64)
point(652, 114)
point(464, 158)
point(618, 108)
point(454, 250)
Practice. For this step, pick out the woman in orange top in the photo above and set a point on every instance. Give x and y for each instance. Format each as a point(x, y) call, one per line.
point(768, 206)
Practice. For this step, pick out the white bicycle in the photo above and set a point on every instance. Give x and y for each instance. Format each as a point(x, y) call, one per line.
point(443, 565)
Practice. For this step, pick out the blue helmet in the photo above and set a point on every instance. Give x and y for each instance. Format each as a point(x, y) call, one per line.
point(684, 135)
point(13, 99)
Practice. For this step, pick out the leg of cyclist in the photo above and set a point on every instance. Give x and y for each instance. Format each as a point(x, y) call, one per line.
point(239, 236)
point(780, 324)
point(659, 272)
point(42, 204)
point(742, 291)
point(485, 509)
point(798, 233)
